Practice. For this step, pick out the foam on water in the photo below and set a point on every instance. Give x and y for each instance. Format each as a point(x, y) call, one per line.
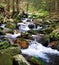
point(13, 36)
point(38, 50)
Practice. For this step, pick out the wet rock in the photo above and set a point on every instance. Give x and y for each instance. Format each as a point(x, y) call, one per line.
point(53, 44)
point(31, 26)
point(22, 43)
point(11, 51)
point(16, 31)
point(20, 60)
point(53, 59)
point(57, 47)
point(26, 35)
point(41, 38)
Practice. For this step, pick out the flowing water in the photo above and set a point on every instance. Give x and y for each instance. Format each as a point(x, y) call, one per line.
point(38, 50)
point(24, 26)
point(47, 54)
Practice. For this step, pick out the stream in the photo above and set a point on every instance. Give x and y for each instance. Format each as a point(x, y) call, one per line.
point(48, 55)
point(38, 50)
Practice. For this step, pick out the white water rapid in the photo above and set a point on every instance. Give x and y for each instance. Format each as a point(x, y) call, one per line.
point(38, 50)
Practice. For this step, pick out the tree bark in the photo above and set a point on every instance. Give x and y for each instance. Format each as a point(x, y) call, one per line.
point(13, 7)
point(17, 5)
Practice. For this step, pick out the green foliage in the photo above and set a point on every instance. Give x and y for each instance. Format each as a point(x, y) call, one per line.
point(11, 25)
point(32, 31)
point(12, 50)
point(3, 4)
point(13, 45)
point(55, 34)
point(22, 63)
point(4, 45)
point(16, 18)
point(37, 61)
point(43, 13)
point(48, 30)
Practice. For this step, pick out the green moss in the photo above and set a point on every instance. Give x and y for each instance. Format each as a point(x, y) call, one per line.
point(48, 30)
point(55, 34)
point(11, 50)
point(11, 25)
point(37, 61)
point(4, 45)
point(5, 59)
point(32, 32)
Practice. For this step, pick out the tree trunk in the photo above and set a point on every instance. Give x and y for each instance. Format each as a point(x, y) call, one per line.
point(56, 5)
point(8, 5)
point(13, 7)
point(17, 5)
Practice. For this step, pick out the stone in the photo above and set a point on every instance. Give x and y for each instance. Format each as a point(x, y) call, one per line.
point(5, 59)
point(20, 60)
point(11, 50)
point(22, 43)
point(53, 44)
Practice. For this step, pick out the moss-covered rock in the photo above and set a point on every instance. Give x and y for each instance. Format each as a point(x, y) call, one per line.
point(36, 61)
point(5, 59)
point(4, 45)
point(11, 50)
point(55, 34)
point(19, 60)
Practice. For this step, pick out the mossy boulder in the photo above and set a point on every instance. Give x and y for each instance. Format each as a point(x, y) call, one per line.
point(55, 34)
point(36, 61)
point(4, 45)
point(11, 50)
point(20, 60)
point(5, 59)
point(6, 55)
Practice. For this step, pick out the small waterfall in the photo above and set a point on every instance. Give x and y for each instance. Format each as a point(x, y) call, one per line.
point(38, 50)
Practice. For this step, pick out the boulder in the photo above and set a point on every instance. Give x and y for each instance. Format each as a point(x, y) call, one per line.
point(11, 50)
point(6, 55)
point(41, 38)
point(22, 43)
point(53, 44)
point(19, 60)
point(5, 59)
point(36, 61)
